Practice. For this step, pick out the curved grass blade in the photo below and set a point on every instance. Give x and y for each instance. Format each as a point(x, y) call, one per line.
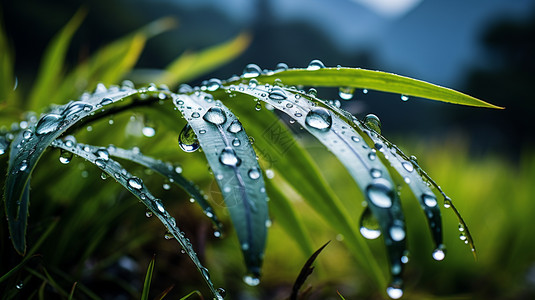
point(348, 146)
point(51, 70)
point(135, 186)
point(148, 279)
point(305, 272)
point(233, 162)
point(28, 148)
point(170, 172)
point(192, 64)
point(376, 80)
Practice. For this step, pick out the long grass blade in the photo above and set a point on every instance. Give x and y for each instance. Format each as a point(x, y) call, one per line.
point(148, 279)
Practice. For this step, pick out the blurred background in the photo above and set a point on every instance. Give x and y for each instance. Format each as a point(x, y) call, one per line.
point(484, 159)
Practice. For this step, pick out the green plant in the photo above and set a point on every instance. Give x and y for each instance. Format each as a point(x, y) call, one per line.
point(211, 114)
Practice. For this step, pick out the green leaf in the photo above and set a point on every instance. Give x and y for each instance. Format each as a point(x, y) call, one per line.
point(52, 66)
point(30, 145)
point(192, 64)
point(148, 279)
point(376, 80)
point(170, 172)
point(305, 272)
point(233, 162)
point(135, 186)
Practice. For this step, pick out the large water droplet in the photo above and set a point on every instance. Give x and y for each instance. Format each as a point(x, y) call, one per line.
point(48, 123)
point(106, 101)
point(254, 173)
point(135, 183)
point(316, 64)
point(148, 131)
point(319, 118)
point(213, 84)
point(375, 173)
point(65, 156)
point(187, 139)
point(394, 291)
point(407, 166)
point(27, 134)
point(235, 127)
point(23, 165)
point(76, 107)
point(380, 193)
point(397, 233)
point(103, 154)
point(369, 226)
point(277, 93)
point(215, 115)
point(439, 253)
point(251, 280)
point(346, 93)
point(229, 158)
point(251, 70)
point(281, 67)
point(373, 123)
point(429, 200)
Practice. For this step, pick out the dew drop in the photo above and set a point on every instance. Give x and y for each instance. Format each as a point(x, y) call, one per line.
point(439, 253)
point(312, 92)
point(394, 292)
point(447, 202)
point(213, 84)
point(27, 134)
point(254, 173)
point(229, 158)
point(251, 70)
point(270, 174)
point(369, 226)
point(397, 233)
point(76, 107)
point(23, 165)
point(221, 292)
point(187, 140)
point(65, 156)
point(148, 214)
point(319, 118)
point(103, 154)
point(355, 139)
point(148, 131)
point(373, 123)
point(404, 98)
point(236, 142)
point(253, 83)
point(429, 200)
point(48, 123)
point(277, 93)
point(20, 285)
point(135, 183)
point(364, 91)
point(168, 236)
point(372, 155)
point(235, 127)
point(195, 115)
point(407, 166)
point(346, 93)
point(258, 106)
point(316, 64)
point(159, 206)
point(245, 246)
point(178, 169)
point(106, 101)
point(380, 193)
point(281, 67)
point(215, 115)
point(375, 173)
point(251, 280)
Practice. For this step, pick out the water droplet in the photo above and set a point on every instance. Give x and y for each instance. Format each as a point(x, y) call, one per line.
point(268, 223)
point(148, 214)
point(27, 134)
point(20, 285)
point(447, 202)
point(178, 169)
point(48, 123)
point(394, 291)
point(159, 206)
point(404, 98)
point(104, 176)
point(319, 118)
point(369, 226)
point(407, 166)
point(355, 139)
point(251, 280)
point(135, 183)
point(213, 84)
point(364, 91)
point(254, 173)
point(187, 139)
point(65, 156)
point(414, 159)
point(229, 158)
point(101, 88)
point(253, 83)
point(312, 92)
point(439, 253)
point(270, 174)
point(316, 64)
point(245, 246)
point(373, 123)
point(461, 228)
point(166, 186)
point(148, 131)
point(103, 154)
point(258, 106)
point(251, 70)
point(372, 155)
point(23, 165)
point(281, 67)
point(221, 292)
point(168, 236)
point(235, 127)
point(236, 142)
point(375, 173)
point(429, 200)
point(346, 93)
point(277, 93)
point(195, 115)
point(380, 193)
point(397, 233)
point(76, 107)
point(106, 101)
point(215, 115)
